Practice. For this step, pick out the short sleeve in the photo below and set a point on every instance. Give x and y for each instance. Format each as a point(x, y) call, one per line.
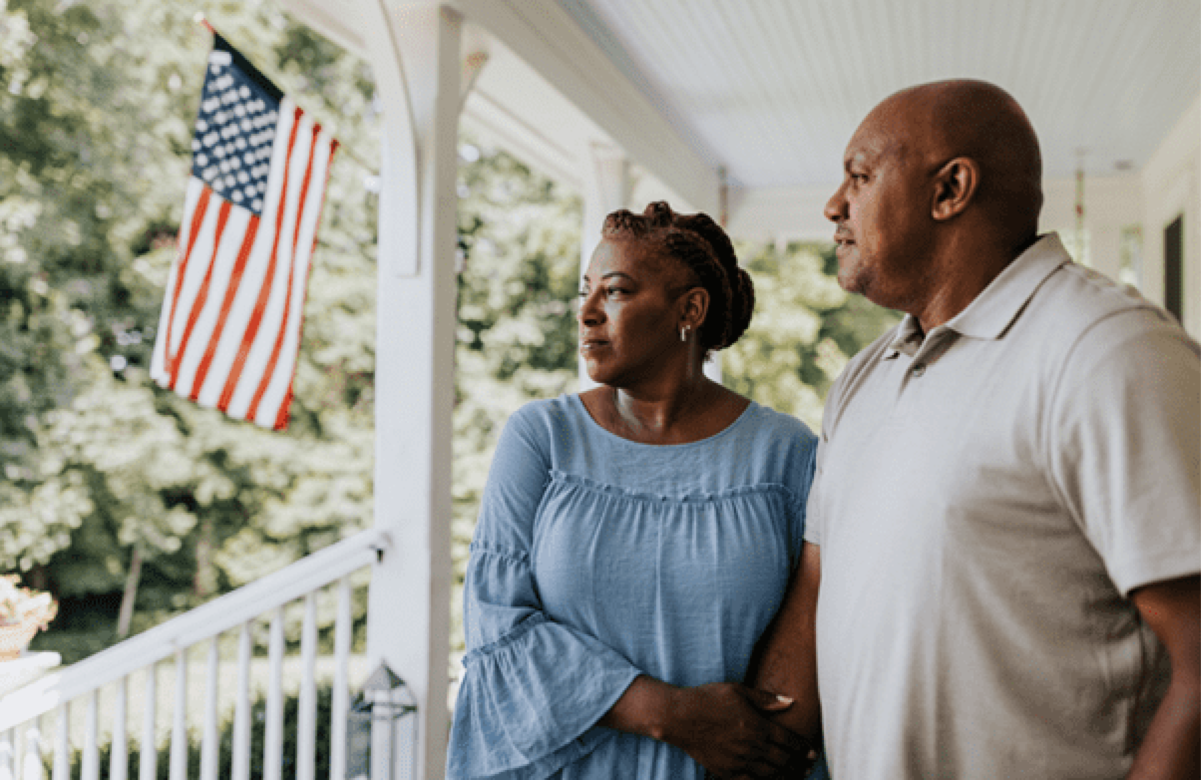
point(800, 508)
point(533, 689)
point(1122, 446)
point(813, 513)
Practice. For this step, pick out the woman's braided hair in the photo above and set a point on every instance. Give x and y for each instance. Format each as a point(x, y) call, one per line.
point(702, 246)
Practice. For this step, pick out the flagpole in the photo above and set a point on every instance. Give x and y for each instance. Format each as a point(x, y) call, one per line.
point(200, 19)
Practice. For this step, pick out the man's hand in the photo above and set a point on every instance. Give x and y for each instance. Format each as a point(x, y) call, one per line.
point(1170, 748)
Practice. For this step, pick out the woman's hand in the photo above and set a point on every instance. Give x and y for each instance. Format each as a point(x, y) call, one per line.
point(723, 727)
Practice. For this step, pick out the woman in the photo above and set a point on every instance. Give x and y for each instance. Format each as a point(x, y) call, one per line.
point(635, 540)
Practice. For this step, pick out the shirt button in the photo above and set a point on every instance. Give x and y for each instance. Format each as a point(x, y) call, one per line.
point(919, 369)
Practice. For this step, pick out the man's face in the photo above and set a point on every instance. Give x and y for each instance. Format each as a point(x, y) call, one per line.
point(881, 211)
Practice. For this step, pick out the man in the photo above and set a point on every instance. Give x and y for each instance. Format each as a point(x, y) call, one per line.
point(1001, 571)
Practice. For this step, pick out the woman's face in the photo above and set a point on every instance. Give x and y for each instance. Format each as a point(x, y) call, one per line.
point(630, 313)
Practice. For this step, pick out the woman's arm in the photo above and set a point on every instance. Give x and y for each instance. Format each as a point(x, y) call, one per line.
point(532, 688)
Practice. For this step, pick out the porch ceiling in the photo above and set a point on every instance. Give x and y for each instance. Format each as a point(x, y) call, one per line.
point(772, 89)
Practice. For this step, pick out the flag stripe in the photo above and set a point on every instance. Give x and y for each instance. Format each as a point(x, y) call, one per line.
point(284, 304)
point(282, 291)
point(256, 317)
point(197, 220)
point(281, 420)
point(223, 214)
point(253, 412)
point(261, 262)
point(278, 389)
point(227, 303)
point(199, 266)
point(158, 360)
point(222, 248)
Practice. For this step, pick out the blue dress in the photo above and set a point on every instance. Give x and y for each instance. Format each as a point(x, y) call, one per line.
point(596, 559)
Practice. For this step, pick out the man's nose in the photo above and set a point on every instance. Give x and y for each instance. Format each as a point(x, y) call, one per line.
point(836, 208)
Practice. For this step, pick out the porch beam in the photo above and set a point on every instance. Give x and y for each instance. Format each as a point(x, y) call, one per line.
point(551, 42)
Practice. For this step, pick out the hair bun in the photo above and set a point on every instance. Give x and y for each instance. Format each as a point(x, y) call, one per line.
point(742, 291)
point(742, 304)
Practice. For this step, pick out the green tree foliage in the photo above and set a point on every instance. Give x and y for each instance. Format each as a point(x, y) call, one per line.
point(804, 330)
point(97, 465)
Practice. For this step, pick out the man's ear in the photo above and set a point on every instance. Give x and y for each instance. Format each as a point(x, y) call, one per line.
point(955, 185)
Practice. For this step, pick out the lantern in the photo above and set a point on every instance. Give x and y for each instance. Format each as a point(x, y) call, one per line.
point(381, 729)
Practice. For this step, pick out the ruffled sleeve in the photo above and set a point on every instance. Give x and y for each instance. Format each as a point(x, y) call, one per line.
point(533, 689)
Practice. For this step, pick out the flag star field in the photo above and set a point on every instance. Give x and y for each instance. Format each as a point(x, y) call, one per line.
point(235, 130)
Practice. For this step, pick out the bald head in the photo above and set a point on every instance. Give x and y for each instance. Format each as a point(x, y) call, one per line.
point(941, 191)
point(980, 121)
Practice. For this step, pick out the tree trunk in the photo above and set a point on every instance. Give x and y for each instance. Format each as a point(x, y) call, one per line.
point(204, 582)
point(131, 593)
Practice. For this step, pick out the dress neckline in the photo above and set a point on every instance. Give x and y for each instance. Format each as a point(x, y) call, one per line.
point(605, 432)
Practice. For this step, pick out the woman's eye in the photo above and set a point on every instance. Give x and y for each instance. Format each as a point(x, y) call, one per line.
point(615, 290)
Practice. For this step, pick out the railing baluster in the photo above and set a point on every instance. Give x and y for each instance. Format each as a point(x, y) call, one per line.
point(241, 758)
point(25, 725)
point(148, 752)
point(209, 746)
point(273, 738)
point(307, 706)
point(8, 751)
point(339, 704)
point(31, 759)
point(91, 756)
point(179, 721)
point(62, 756)
point(119, 748)
point(250, 603)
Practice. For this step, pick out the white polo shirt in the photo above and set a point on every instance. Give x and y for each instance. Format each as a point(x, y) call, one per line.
point(985, 499)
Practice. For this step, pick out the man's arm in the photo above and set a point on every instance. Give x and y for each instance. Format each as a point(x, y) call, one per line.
point(787, 664)
point(1170, 748)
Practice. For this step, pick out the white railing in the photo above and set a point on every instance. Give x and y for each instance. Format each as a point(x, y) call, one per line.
point(23, 713)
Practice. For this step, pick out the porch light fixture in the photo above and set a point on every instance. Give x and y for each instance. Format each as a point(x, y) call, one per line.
point(381, 729)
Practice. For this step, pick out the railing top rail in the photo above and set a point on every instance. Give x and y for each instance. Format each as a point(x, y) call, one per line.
point(206, 621)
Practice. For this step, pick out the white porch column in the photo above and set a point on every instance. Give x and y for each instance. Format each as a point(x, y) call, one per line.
point(607, 188)
point(415, 49)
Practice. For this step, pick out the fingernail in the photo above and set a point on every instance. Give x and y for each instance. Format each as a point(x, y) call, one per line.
point(784, 699)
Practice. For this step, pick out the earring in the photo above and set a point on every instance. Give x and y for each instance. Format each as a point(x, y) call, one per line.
point(684, 333)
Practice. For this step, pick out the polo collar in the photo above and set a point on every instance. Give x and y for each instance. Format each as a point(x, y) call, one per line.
point(997, 306)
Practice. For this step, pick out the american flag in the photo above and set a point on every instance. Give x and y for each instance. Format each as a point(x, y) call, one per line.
point(230, 327)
